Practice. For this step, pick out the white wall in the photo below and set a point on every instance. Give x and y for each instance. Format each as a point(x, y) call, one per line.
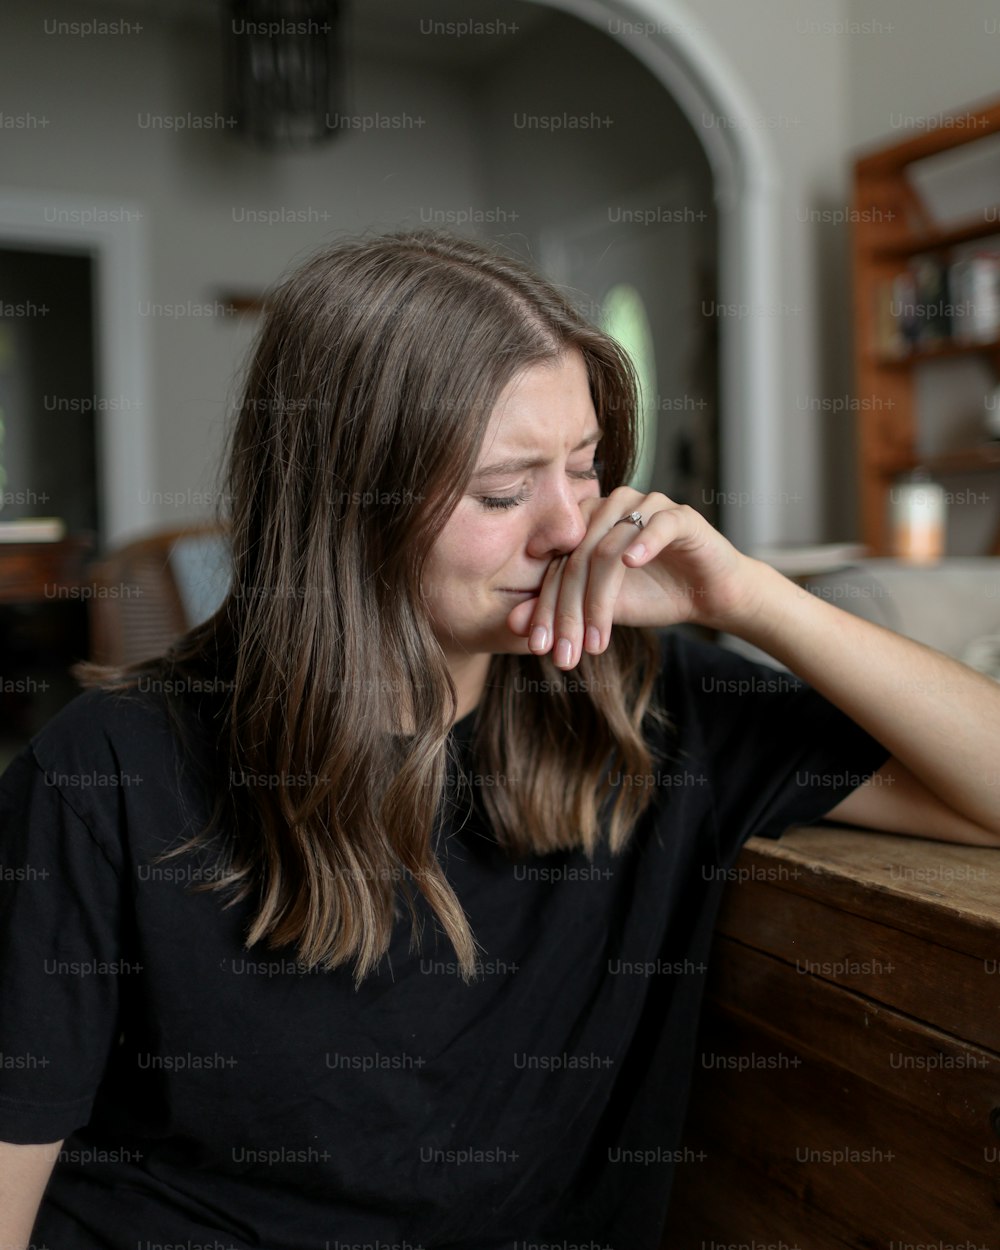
point(96, 94)
point(936, 58)
point(797, 77)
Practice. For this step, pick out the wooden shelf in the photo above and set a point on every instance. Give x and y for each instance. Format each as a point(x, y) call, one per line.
point(938, 241)
point(977, 121)
point(892, 224)
point(939, 351)
point(983, 458)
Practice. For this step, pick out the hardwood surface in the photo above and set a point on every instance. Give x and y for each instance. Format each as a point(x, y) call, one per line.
point(856, 977)
point(39, 572)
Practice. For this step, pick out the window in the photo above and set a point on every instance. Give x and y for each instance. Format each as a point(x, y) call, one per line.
point(623, 317)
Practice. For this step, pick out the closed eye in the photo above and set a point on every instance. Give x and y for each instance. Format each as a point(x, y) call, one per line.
point(513, 501)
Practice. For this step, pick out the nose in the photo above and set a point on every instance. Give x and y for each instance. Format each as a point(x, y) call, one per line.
point(561, 526)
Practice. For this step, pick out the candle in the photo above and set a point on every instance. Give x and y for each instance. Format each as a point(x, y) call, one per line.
point(918, 518)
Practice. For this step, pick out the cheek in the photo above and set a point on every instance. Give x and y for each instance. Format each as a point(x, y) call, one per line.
point(470, 552)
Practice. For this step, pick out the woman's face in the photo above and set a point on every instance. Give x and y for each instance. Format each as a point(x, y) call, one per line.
point(489, 550)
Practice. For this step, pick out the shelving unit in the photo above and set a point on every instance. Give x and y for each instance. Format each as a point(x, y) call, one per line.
point(891, 225)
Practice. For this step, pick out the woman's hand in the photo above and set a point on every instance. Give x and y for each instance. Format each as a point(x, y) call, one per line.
point(688, 573)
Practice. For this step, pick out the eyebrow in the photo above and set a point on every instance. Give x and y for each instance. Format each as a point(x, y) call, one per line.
point(530, 462)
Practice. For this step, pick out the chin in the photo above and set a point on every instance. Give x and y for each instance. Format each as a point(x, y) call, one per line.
point(503, 642)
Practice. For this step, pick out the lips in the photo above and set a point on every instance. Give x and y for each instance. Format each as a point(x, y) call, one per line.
point(520, 590)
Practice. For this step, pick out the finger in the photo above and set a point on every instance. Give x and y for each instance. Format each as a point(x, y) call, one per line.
point(541, 637)
point(592, 579)
point(658, 530)
point(558, 621)
point(568, 624)
point(606, 574)
point(588, 592)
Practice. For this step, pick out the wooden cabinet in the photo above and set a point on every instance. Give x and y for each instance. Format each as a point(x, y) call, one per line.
point(847, 1084)
point(891, 226)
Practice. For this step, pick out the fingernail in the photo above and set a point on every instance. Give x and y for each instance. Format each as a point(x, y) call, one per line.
point(636, 552)
point(539, 635)
point(593, 637)
point(564, 652)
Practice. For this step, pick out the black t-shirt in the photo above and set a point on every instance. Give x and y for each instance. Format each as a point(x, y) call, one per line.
point(211, 1095)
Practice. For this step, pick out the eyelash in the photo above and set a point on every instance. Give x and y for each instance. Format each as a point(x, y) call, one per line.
point(503, 502)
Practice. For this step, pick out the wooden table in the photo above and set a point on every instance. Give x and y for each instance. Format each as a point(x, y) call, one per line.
point(40, 572)
point(853, 994)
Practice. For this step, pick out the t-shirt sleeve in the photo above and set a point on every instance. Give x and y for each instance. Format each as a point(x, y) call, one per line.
point(59, 957)
point(776, 752)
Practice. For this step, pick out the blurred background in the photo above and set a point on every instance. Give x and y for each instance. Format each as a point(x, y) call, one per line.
point(785, 211)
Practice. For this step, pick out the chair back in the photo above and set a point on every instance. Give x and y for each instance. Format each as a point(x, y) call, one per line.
point(150, 591)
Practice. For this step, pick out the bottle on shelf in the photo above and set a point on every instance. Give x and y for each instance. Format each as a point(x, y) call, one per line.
point(975, 289)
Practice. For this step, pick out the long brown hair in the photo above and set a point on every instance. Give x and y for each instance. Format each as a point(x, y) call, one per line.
point(364, 406)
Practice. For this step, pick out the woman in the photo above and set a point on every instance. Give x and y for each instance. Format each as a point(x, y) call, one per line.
point(246, 1036)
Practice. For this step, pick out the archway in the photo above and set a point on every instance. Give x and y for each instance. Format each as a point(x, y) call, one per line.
point(698, 74)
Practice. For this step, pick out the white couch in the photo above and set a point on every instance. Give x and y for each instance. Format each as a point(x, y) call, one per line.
point(953, 606)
